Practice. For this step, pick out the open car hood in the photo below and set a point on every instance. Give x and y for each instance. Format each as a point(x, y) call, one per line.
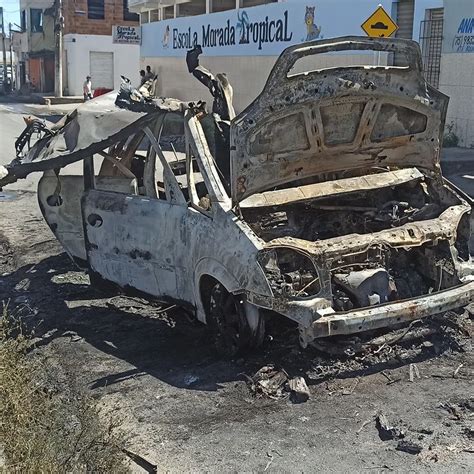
point(337, 119)
point(89, 129)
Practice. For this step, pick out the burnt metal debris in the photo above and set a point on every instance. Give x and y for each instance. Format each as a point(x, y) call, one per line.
point(33, 126)
point(274, 383)
point(386, 430)
point(322, 201)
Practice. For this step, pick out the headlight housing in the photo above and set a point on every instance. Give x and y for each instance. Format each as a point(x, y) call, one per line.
point(290, 273)
point(465, 237)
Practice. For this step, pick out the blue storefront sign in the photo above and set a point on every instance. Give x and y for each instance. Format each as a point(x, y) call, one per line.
point(463, 41)
point(263, 30)
point(458, 28)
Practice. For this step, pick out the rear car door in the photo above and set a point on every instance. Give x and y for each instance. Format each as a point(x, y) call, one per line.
point(135, 240)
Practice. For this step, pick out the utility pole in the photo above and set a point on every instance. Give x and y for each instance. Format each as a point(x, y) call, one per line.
point(11, 57)
point(58, 53)
point(4, 54)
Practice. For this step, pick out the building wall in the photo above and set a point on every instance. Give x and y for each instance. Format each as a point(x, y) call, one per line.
point(419, 15)
point(77, 21)
point(247, 75)
point(457, 69)
point(44, 41)
point(247, 65)
point(78, 48)
point(81, 35)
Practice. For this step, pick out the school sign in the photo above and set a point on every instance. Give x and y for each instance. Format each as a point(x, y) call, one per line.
point(262, 30)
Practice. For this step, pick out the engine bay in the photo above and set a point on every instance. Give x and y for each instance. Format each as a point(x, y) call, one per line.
point(356, 212)
point(382, 274)
point(378, 274)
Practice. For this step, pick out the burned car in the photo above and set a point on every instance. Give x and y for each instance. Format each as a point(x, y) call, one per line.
point(322, 201)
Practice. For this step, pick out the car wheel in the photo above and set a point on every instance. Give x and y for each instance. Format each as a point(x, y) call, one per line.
point(101, 284)
point(236, 327)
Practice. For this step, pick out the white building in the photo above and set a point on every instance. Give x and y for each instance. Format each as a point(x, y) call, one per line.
point(457, 68)
point(171, 27)
point(101, 38)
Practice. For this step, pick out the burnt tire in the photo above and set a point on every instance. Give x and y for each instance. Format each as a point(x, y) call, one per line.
point(101, 284)
point(229, 323)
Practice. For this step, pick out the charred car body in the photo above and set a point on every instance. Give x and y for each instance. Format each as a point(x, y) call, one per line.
point(332, 210)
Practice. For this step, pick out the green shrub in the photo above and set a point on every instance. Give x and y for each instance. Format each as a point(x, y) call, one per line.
point(450, 138)
point(43, 427)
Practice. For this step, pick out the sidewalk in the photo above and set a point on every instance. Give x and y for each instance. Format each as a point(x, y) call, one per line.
point(21, 99)
point(41, 99)
point(455, 160)
point(458, 166)
point(70, 99)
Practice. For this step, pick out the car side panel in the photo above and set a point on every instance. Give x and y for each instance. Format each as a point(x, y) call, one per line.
point(136, 242)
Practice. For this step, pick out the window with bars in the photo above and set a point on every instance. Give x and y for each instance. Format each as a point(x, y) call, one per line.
point(23, 20)
point(96, 9)
point(254, 3)
point(196, 7)
point(222, 5)
point(431, 40)
point(154, 15)
point(127, 14)
point(144, 17)
point(168, 12)
point(36, 20)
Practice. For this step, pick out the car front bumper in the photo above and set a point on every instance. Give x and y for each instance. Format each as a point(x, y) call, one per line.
point(316, 321)
point(389, 314)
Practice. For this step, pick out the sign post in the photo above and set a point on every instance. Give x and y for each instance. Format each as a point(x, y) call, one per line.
point(379, 24)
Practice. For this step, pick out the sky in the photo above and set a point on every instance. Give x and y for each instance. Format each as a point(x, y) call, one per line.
point(11, 12)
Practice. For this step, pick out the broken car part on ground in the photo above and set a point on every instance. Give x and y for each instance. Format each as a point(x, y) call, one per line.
point(322, 201)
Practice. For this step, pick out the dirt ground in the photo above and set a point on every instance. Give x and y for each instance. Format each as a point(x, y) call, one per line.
point(184, 409)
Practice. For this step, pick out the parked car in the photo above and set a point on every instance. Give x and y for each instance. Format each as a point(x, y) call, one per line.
point(9, 84)
point(332, 212)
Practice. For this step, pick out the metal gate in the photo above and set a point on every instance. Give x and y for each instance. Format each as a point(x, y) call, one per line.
point(431, 40)
point(102, 69)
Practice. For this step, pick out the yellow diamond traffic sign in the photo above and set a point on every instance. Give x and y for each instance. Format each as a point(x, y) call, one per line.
point(379, 24)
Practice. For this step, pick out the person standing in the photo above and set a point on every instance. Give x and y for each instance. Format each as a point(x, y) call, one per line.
point(149, 74)
point(149, 81)
point(87, 89)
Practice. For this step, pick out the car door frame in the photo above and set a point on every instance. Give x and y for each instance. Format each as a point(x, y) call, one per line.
point(175, 199)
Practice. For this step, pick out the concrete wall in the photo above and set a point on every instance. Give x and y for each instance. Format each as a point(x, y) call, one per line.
point(247, 74)
point(39, 41)
point(78, 47)
point(45, 40)
point(247, 63)
point(457, 81)
point(457, 69)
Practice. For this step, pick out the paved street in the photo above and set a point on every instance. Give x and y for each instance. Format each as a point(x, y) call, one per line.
point(336, 275)
point(185, 409)
point(11, 126)
point(458, 165)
